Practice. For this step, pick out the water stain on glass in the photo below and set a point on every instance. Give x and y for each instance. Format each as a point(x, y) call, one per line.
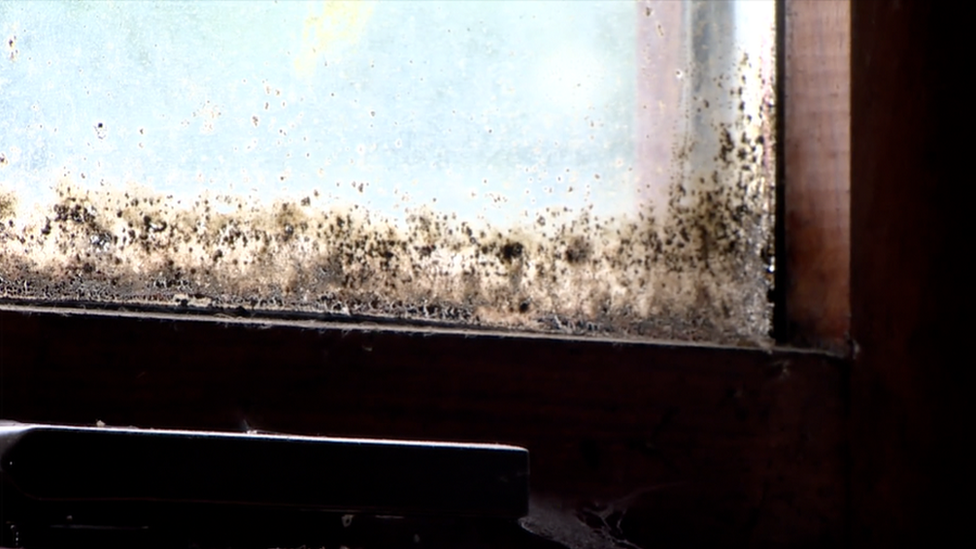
point(572, 167)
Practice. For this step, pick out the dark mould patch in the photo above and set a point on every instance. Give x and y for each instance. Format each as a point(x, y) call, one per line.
point(622, 277)
point(578, 251)
point(511, 251)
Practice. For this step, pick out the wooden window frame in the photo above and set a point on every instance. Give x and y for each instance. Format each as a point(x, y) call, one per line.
point(693, 444)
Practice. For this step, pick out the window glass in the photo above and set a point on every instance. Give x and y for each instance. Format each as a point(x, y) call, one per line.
point(582, 167)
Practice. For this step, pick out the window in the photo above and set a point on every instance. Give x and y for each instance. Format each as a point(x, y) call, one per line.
point(573, 167)
point(665, 444)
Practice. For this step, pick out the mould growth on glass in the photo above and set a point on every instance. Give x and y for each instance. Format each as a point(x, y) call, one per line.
point(580, 167)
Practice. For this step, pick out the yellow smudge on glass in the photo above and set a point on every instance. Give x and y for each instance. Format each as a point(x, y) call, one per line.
point(338, 24)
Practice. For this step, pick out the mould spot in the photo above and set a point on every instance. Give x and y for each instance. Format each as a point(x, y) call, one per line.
point(12, 51)
point(7, 203)
point(578, 250)
point(511, 251)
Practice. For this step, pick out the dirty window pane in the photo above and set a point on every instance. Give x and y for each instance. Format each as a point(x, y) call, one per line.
point(578, 167)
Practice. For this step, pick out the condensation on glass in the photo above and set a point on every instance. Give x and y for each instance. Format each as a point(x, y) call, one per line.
point(576, 167)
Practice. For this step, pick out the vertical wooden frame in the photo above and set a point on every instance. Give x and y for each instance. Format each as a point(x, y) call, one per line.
point(814, 202)
point(911, 378)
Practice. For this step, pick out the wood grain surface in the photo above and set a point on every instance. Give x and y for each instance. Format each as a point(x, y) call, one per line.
point(816, 164)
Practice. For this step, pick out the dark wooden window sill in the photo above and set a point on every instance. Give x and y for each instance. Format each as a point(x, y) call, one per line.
point(688, 442)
